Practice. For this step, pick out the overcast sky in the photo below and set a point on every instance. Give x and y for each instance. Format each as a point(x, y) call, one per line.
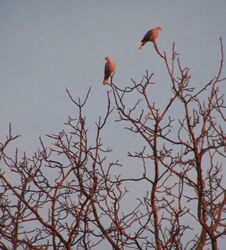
point(48, 46)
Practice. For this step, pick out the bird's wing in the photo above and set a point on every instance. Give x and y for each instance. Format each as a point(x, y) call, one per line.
point(147, 36)
point(107, 70)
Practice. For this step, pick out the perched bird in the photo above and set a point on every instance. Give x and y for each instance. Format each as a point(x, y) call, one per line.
point(150, 36)
point(109, 69)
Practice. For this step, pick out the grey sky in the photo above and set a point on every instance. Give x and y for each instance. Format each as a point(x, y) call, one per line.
point(48, 46)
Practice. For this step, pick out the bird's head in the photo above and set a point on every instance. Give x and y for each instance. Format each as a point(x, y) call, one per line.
point(107, 58)
point(159, 28)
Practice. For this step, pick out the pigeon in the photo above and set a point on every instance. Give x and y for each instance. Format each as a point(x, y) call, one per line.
point(109, 69)
point(150, 36)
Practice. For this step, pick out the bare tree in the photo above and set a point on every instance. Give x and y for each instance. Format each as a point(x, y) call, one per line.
point(69, 196)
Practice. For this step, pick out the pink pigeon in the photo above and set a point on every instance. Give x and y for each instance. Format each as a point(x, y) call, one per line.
point(150, 36)
point(109, 69)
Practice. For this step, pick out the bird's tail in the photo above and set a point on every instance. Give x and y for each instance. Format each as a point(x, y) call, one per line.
point(141, 46)
point(105, 81)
